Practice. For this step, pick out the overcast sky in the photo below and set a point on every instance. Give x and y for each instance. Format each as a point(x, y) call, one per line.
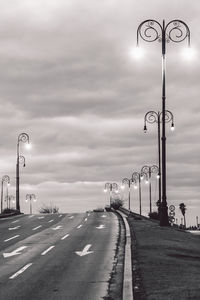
point(68, 80)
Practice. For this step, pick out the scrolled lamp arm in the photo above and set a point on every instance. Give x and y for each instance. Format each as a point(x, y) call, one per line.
point(154, 169)
point(22, 160)
point(145, 169)
point(23, 137)
point(149, 31)
point(177, 31)
point(6, 179)
point(150, 117)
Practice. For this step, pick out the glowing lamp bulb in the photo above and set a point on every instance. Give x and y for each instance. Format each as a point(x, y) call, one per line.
point(172, 127)
point(28, 146)
point(135, 187)
point(146, 182)
point(105, 190)
point(188, 53)
point(137, 52)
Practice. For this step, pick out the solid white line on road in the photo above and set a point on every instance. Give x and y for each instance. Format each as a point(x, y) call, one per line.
point(46, 251)
point(20, 271)
point(15, 221)
point(85, 219)
point(79, 226)
point(15, 252)
point(14, 228)
point(37, 227)
point(14, 237)
point(65, 236)
point(51, 221)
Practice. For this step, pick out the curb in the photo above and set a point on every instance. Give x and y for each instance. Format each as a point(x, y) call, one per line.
point(127, 282)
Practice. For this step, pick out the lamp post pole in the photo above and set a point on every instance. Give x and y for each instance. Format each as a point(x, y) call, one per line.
point(156, 117)
point(137, 176)
point(24, 138)
point(128, 181)
point(110, 186)
point(30, 197)
point(149, 170)
point(6, 179)
point(175, 31)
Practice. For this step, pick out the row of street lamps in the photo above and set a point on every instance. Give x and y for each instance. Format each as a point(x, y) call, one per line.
point(150, 31)
point(22, 138)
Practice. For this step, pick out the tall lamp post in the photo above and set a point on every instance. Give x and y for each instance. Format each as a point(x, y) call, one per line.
point(128, 182)
point(137, 177)
point(5, 179)
point(149, 170)
point(110, 187)
point(30, 197)
point(174, 31)
point(24, 138)
point(156, 117)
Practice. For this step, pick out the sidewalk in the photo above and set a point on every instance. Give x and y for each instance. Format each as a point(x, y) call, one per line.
point(165, 261)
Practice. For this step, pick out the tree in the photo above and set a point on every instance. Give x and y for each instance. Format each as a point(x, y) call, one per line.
point(183, 209)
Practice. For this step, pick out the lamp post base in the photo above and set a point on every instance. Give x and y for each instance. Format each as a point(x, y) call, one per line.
point(164, 220)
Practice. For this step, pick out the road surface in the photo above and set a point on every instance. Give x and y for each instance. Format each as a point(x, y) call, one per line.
point(61, 256)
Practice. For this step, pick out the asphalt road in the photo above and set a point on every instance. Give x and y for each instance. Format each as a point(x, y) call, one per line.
point(57, 256)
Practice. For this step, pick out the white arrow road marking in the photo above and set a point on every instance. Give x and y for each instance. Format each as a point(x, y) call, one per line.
point(20, 271)
point(37, 227)
point(101, 226)
point(14, 228)
point(84, 251)
point(45, 252)
point(85, 219)
point(71, 217)
point(15, 221)
point(50, 221)
point(104, 216)
point(15, 252)
point(79, 226)
point(41, 217)
point(56, 228)
point(14, 237)
point(65, 236)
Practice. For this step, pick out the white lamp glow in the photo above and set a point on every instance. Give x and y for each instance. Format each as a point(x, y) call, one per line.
point(137, 52)
point(188, 53)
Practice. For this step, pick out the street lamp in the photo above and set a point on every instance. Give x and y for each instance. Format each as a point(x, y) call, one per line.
point(156, 117)
point(175, 31)
point(5, 179)
point(128, 182)
point(111, 187)
point(137, 177)
point(149, 170)
point(24, 138)
point(30, 197)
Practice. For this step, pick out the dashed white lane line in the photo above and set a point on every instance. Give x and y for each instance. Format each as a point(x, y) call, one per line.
point(37, 227)
point(50, 221)
point(20, 271)
point(31, 216)
point(79, 226)
point(65, 236)
point(14, 237)
point(41, 217)
point(15, 221)
point(14, 228)
point(47, 250)
point(85, 219)
point(71, 217)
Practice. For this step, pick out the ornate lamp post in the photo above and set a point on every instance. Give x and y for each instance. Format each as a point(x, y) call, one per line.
point(30, 197)
point(137, 177)
point(5, 179)
point(24, 138)
point(110, 187)
point(149, 170)
point(128, 182)
point(156, 117)
point(174, 31)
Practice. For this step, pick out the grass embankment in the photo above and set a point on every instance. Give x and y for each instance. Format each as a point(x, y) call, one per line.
point(166, 262)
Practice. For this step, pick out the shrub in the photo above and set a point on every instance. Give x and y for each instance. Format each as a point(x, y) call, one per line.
point(117, 203)
point(49, 210)
point(154, 215)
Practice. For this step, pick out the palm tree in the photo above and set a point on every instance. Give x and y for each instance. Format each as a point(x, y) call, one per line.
point(183, 209)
